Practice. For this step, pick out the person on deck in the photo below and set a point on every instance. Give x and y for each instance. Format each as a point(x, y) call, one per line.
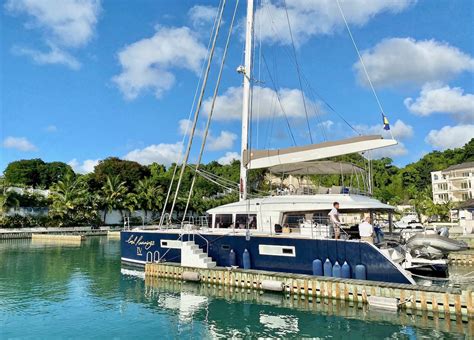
point(366, 230)
point(334, 217)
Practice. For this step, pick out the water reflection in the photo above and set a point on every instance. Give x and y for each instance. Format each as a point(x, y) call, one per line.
point(242, 312)
point(64, 290)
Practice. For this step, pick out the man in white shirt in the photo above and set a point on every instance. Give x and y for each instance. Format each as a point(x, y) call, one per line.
point(366, 230)
point(334, 217)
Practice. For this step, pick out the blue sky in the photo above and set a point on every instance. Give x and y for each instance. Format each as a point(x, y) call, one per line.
point(84, 80)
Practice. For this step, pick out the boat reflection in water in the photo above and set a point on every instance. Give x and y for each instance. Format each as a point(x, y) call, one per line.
point(236, 312)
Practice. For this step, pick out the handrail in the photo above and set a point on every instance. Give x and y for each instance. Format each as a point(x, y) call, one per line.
point(205, 239)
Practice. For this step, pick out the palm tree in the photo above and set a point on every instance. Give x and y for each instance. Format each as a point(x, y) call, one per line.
point(113, 195)
point(150, 196)
point(67, 195)
point(131, 202)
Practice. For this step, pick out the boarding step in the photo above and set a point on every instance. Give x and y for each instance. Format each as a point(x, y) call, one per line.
point(193, 256)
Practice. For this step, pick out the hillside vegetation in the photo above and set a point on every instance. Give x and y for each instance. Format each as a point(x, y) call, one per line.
point(117, 184)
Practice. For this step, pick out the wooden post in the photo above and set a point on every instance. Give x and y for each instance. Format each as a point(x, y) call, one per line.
point(469, 305)
point(446, 304)
point(424, 306)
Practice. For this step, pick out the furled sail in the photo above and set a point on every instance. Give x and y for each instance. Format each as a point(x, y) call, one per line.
point(257, 159)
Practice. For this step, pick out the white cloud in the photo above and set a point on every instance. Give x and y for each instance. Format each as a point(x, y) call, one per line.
point(202, 15)
point(449, 137)
point(19, 143)
point(225, 140)
point(51, 128)
point(222, 142)
point(310, 18)
point(228, 158)
point(229, 105)
point(86, 167)
point(54, 56)
point(398, 61)
point(68, 24)
point(400, 130)
point(326, 125)
point(184, 126)
point(160, 153)
point(147, 63)
point(438, 98)
point(391, 151)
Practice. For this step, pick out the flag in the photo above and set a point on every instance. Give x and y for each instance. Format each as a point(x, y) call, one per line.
point(386, 124)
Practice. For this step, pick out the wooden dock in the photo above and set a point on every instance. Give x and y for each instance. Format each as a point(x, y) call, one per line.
point(462, 258)
point(113, 234)
point(58, 237)
point(6, 234)
point(446, 302)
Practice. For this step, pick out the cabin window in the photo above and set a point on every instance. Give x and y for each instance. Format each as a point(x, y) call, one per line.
point(293, 220)
point(225, 247)
point(320, 218)
point(435, 177)
point(242, 220)
point(223, 220)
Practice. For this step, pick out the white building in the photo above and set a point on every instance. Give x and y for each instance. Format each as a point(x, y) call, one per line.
point(455, 184)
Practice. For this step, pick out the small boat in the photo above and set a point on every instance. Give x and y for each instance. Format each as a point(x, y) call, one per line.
point(440, 243)
point(426, 253)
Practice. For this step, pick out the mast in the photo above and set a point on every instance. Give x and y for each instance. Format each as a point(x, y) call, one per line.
point(246, 70)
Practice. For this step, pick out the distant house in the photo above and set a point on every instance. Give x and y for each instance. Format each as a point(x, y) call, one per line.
point(23, 191)
point(466, 216)
point(454, 184)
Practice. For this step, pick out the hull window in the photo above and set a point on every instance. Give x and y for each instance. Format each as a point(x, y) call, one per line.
point(172, 244)
point(272, 250)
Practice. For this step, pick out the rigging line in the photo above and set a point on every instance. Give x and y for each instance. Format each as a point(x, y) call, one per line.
point(189, 118)
point(211, 112)
point(222, 179)
point(279, 100)
point(198, 107)
point(329, 106)
point(361, 61)
point(318, 115)
point(309, 84)
point(298, 72)
point(269, 132)
point(213, 179)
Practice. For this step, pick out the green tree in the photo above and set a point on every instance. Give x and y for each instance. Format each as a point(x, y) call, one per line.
point(68, 196)
point(25, 172)
point(53, 172)
point(149, 196)
point(36, 173)
point(113, 195)
point(8, 198)
point(128, 171)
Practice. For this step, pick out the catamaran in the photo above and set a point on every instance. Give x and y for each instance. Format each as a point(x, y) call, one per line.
point(284, 232)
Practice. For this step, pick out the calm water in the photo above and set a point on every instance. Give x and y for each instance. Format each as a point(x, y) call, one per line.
point(80, 291)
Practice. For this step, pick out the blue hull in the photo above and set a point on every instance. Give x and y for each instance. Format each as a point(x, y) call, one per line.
point(140, 247)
